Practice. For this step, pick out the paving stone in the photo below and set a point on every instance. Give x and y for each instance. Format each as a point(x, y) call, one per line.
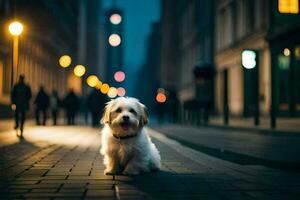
point(100, 193)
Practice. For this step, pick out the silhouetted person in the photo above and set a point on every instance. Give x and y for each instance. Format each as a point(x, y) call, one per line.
point(54, 106)
point(95, 103)
point(71, 104)
point(41, 103)
point(20, 97)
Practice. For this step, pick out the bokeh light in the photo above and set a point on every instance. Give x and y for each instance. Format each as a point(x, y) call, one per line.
point(104, 88)
point(98, 85)
point(92, 80)
point(79, 70)
point(112, 92)
point(15, 28)
point(119, 76)
point(121, 92)
point(248, 59)
point(115, 19)
point(114, 40)
point(161, 97)
point(13, 106)
point(65, 61)
point(286, 52)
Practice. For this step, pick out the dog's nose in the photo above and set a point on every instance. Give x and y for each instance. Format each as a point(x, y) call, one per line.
point(126, 118)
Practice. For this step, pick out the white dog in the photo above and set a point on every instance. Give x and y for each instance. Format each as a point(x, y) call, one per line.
point(126, 146)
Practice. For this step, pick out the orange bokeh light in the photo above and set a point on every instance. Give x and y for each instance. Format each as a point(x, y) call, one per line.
point(161, 97)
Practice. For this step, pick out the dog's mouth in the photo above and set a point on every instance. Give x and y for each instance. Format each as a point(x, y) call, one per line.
point(125, 126)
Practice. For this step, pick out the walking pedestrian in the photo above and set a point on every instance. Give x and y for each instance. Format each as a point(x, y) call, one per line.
point(71, 104)
point(95, 103)
point(41, 103)
point(54, 106)
point(20, 97)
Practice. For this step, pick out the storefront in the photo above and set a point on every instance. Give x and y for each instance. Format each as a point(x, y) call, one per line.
point(284, 41)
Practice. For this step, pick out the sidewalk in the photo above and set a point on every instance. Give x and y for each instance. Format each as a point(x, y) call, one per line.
point(248, 147)
point(291, 125)
point(64, 163)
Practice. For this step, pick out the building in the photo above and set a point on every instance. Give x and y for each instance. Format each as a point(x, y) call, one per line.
point(150, 69)
point(187, 42)
point(91, 40)
point(270, 28)
point(50, 31)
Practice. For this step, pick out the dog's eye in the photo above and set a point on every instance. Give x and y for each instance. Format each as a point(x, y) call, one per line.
point(132, 111)
point(119, 110)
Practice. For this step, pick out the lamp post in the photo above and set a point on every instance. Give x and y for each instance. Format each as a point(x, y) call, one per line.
point(15, 29)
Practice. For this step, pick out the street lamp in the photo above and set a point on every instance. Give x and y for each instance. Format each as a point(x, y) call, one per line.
point(114, 40)
point(15, 29)
point(92, 80)
point(119, 76)
point(65, 61)
point(112, 92)
point(79, 70)
point(115, 19)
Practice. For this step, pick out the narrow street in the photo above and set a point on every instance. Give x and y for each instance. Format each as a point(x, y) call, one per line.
point(64, 163)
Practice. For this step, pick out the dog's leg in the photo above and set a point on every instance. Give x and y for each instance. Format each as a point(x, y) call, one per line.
point(111, 166)
point(136, 166)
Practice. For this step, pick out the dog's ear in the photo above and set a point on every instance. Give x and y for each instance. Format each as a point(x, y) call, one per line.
point(144, 118)
point(106, 113)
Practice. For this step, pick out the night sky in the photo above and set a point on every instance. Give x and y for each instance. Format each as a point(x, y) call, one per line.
point(138, 16)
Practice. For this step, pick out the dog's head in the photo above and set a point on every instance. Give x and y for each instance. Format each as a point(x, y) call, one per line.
point(125, 115)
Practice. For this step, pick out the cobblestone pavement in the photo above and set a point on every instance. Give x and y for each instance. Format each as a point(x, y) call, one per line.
point(64, 163)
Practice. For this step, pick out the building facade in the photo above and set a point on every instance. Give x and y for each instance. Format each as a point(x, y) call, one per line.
point(187, 42)
point(257, 25)
point(50, 30)
point(150, 69)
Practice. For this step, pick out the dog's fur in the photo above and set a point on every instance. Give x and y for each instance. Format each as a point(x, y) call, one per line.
point(126, 146)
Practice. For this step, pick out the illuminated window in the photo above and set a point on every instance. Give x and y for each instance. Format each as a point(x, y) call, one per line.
point(288, 6)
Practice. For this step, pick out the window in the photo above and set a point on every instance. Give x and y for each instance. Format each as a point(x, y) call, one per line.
point(288, 6)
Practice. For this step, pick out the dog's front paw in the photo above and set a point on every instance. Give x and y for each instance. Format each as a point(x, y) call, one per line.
point(110, 172)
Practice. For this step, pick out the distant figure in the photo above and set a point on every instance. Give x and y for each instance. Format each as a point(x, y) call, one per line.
point(95, 103)
point(20, 97)
point(54, 106)
point(71, 104)
point(41, 103)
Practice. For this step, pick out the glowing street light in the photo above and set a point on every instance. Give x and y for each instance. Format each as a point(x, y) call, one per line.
point(121, 92)
point(65, 61)
point(249, 59)
point(79, 70)
point(104, 88)
point(161, 97)
point(119, 76)
point(15, 29)
point(92, 80)
point(114, 40)
point(286, 52)
point(112, 92)
point(115, 19)
point(98, 85)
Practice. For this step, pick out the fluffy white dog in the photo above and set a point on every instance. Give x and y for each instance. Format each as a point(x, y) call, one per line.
point(126, 146)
